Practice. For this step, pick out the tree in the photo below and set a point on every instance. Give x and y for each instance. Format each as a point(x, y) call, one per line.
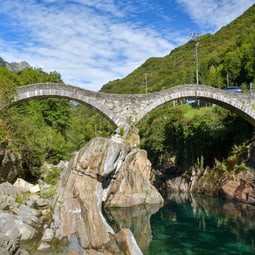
point(8, 81)
point(232, 66)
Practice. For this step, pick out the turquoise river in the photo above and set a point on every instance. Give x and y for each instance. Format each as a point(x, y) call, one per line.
point(185, 225)
point(191, 225)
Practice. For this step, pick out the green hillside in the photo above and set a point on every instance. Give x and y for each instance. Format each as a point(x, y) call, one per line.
point(229, 52)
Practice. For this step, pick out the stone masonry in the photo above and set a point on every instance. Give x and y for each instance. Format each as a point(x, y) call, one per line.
point(123, 109)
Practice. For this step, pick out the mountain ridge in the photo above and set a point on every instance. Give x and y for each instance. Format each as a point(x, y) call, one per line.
point(14, 66)
point(216, 53)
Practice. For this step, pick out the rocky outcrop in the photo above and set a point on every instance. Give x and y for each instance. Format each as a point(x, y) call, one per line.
point(14, 66)
point(18, 221)
point(132, 185)
point(105, 172)
point(239, 187)
point(10, 166)
point(232, 179)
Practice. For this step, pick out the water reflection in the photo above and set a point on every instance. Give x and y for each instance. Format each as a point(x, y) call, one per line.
point(136, 218)
point(191, 225)
point(197, 225)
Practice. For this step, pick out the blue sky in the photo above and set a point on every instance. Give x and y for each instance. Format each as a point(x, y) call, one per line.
point(90, 42)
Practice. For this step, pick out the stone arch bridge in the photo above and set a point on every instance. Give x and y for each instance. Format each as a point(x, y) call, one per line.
point(123, 109)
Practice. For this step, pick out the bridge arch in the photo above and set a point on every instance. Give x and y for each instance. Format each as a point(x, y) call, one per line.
point(56, 90)
point(239, 103)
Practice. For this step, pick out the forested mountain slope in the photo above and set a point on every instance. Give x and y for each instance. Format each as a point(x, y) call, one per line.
point(228, 53)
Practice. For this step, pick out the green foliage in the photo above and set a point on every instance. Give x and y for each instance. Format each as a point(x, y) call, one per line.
point(53, 175)
point(121, 131)
point(46, 129)
point(3, 132)
point(56, 113)
point(240, 167)
point(152, 131)
point(220, 166)
point(86, 123)
point(192, 136)
point(20, 198)
point(48, 193)
point(37, 75)
point(8, 81)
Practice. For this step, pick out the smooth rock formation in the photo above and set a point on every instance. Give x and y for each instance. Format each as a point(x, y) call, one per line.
point(109, 172)
point(132, 184)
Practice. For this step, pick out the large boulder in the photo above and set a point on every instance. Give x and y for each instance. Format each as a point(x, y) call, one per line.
point(24, 186)
point(105, 171)
point(8, 194)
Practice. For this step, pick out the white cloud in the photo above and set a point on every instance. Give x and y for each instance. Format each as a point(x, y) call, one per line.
point(79, 42)
point(214, 14)
point(82, 44)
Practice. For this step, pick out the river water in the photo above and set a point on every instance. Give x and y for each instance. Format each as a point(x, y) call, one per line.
point(191, 225)
point(185, 225)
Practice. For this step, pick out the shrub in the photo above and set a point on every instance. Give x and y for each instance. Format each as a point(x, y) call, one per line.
point(53, 175)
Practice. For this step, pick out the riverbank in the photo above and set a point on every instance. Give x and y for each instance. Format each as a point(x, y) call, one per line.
point(233, 179)
point(23, 215)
